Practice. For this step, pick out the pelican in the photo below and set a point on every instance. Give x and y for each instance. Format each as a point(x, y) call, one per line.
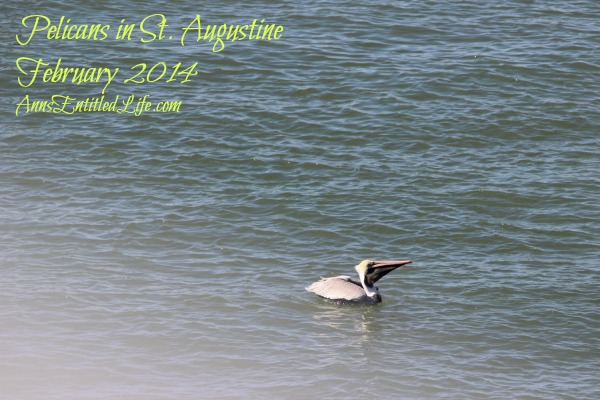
point(363, 291)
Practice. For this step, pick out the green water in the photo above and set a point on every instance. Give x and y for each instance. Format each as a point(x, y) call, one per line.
point(165, 255)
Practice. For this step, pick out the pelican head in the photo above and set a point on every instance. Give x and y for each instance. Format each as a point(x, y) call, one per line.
point(370, 271)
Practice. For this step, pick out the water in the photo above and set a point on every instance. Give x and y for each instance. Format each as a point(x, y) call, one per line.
point(165, 256)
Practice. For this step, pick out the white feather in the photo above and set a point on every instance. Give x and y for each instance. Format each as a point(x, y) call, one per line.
point(337, 288)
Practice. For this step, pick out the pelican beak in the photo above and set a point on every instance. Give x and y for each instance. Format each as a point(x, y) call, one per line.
point(381, 268)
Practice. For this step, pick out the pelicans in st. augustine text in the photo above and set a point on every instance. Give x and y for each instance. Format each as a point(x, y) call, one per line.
point(362, 291)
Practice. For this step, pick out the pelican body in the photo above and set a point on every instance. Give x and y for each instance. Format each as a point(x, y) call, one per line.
point(362, 290)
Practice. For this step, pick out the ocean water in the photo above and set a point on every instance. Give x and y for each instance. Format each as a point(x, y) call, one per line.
point(165, 255)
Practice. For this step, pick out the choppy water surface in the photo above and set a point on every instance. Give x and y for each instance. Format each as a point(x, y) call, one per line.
point(165, 256)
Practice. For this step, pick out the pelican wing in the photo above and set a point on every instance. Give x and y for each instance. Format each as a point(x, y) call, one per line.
point(338, 288)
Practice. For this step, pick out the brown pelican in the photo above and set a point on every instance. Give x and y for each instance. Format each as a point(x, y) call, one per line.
point(346, 289)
